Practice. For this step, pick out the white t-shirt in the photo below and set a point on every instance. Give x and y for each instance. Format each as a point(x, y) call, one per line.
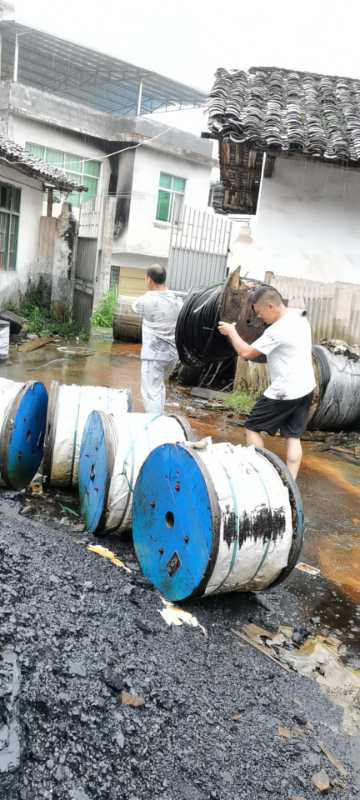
point(159, 311)
point(287, 345)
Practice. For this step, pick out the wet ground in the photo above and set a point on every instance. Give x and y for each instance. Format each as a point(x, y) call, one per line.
point(84, 630)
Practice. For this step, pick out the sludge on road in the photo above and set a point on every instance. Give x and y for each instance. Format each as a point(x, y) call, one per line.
point(86, 633)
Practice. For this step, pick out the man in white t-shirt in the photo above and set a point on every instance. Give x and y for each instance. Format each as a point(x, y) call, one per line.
point(159, 308)
point(287, 344)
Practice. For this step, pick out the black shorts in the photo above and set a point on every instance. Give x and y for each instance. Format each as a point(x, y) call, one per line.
point(288, 416)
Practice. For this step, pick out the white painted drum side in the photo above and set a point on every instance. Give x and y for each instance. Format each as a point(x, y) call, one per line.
point(245, 482)
point(137, 435)
point(8, 391)
point(74, 404)
point(4, 340)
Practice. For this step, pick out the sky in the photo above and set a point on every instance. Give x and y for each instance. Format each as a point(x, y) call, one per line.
point(189, 39)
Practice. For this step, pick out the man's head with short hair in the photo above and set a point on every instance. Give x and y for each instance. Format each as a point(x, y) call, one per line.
point(268, 304)
point(155, 276)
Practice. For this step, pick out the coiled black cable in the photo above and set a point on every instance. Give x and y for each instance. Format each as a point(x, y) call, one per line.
point(198, 340)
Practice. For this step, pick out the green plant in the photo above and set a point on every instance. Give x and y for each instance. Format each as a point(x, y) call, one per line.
point(103, 315)
point(240, 401)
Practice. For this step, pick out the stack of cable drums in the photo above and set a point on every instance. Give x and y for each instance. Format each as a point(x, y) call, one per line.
point(23, 408)
point(69, 408)
point(113, 448)
point(216, 520)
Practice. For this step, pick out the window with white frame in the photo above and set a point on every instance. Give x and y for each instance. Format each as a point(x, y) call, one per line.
point(9, 225)
point(170, 198)
point(79, 169)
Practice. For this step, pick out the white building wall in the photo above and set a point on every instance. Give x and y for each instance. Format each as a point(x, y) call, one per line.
point(307, 225)
point(145, 235)
point(23, 130)
point(28, 239)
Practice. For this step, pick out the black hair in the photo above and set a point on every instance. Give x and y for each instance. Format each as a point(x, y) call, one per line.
point(267, 294)
point(157, 273)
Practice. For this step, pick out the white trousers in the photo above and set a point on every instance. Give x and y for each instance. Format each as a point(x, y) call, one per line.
point(153, 377)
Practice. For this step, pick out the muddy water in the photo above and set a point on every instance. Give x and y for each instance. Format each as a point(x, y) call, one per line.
point(109, 364)
point(330, 486)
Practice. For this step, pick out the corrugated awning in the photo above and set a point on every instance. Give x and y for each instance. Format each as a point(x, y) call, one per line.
point(86, 76)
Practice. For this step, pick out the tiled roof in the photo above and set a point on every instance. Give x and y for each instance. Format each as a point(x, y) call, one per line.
point(280, 111)
point(16, 156)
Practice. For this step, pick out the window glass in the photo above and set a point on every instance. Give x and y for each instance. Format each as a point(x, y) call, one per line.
point(73, 163)
point(179, 185)
point(165, 181)
point(92, 168)
point(163, 206)
point(5, 196)
point(54, 157)
point(4, 230)
point(13, 238)
point(91, 184)
point(16, 194)
point(176, 207)
point(78, 168)
point(36, 149)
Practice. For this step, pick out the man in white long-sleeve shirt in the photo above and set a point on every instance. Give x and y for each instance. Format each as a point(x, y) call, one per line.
point(159, 308)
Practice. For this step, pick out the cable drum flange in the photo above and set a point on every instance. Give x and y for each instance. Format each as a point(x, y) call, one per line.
point(214, 520)
point(338, 407)
point(23, 408)
point(113, 449)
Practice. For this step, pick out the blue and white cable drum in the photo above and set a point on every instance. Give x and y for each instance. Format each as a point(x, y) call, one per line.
point(23, 408)
point(113, 448)
point(4, 339)
point(69, 408)
point(221, 519)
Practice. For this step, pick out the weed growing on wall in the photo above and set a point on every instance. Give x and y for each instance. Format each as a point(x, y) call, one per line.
point(103, 316)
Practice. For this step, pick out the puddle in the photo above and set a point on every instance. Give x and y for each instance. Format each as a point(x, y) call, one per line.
point(319, 658)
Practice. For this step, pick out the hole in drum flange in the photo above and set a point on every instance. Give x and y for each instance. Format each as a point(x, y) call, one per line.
point(152, 504)
point(186, 539)
point(161, 551)
point(92, 472)
point(169, 519)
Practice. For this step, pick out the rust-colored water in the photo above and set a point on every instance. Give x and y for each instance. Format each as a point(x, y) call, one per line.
point(330, 486)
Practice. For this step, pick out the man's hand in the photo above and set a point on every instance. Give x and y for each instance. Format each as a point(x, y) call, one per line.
point(227, 329)
point(240, 346)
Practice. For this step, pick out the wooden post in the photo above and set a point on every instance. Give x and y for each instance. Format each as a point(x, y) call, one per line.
point(50, 200)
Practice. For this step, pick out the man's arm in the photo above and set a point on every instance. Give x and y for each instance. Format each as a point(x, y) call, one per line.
point(244, 350)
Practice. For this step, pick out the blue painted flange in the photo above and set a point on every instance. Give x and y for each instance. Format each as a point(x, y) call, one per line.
point(24, 439)
point(175, 522)
point(95, 469)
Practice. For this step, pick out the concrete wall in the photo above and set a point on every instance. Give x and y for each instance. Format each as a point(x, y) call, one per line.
point(145, 235)
point(54, 111)
point(23, 130)
point(30, 212)
point(307, 224)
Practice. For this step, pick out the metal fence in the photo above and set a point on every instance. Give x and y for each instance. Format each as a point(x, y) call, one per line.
point(333, 308)
point(198, 252)
point(333, 311)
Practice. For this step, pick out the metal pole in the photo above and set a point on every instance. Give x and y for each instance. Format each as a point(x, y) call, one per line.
point(16, 59)
point(139, 104)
